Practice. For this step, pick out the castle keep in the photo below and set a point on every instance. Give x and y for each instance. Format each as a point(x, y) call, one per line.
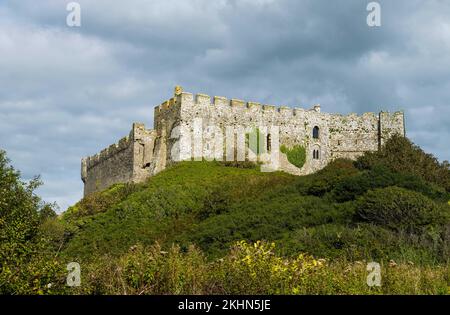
point(145, 152)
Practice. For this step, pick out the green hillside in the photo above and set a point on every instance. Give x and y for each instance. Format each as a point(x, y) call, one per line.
point(326, 214)
point(210, 227)
point(167, 208)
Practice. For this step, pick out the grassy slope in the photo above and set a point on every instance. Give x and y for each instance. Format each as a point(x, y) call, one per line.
point(170, 204)
point(212, 206)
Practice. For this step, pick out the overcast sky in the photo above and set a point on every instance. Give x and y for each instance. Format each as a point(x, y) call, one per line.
point(68, 92)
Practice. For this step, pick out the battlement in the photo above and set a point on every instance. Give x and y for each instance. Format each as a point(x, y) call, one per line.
point(107, 153)
point(202, 100)
point(170, 103)
point(117, 162)
point(138, 130)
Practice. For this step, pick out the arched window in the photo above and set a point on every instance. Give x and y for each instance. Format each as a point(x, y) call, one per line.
point(269, 143)
point(316, 132)
point(315, 154)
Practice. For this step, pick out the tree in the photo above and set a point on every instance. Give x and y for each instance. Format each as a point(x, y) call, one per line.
point(21, 246)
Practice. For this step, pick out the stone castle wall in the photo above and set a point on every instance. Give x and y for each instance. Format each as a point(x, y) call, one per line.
point(340, 136)
point(147, 152)
point(128, 160)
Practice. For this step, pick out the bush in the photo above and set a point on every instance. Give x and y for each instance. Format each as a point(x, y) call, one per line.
point(380, 176)
point(165, 272)
point(366, 241)
point(100, 201)
point(216, 202)
point(401, 209)
point(254, 268)
point(295, 155)
point(403, 156)
point(323, 181)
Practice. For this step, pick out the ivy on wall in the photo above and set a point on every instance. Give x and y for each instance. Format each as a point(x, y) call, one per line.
point(295, 155)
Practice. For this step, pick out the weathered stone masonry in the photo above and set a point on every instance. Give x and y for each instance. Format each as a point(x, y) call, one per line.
point(147, 152)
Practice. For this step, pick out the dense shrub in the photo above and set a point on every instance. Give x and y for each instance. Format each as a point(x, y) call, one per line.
point(398, 209)
point(269, 218)
point(365, 241)
point(100, 201)
point(324, 181)
point(161, 272)
point(380, 176)
point(254, 268)
point(171, 204)
point(401, 155)
point(216, 202)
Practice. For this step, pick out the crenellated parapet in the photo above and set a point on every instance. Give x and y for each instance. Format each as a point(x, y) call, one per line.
point(108, 152)
point(201, 100)
point(123, 161)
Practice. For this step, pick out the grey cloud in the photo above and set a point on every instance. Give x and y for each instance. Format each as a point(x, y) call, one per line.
point(68, 92)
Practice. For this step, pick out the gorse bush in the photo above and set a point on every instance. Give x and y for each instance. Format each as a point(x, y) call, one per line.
point(324, 181)
point(398, 208)
point(163, 272)
point(254, 268)
point(366, 241)
point(401, 155)
point(98, 202)
point(239, 164)
point(351, 187)
point(169, 205)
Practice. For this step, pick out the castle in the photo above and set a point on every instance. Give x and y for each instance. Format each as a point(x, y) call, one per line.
point(146, 152)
